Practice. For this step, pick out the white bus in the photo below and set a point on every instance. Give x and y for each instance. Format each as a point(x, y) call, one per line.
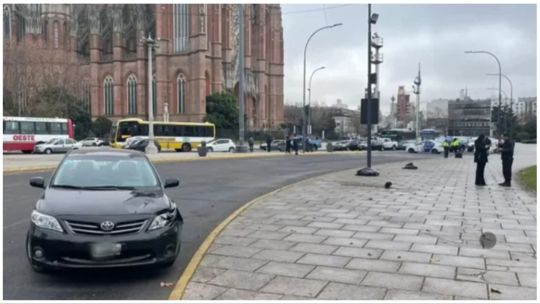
point(23, 133)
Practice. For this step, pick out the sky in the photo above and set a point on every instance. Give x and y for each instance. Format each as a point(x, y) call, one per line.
point(434, 35)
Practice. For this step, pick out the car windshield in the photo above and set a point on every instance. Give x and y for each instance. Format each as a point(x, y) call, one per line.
point(105, 172)
point(51, 141)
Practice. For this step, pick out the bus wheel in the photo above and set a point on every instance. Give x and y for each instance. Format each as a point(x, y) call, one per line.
point(186, 148)
point(27, 151)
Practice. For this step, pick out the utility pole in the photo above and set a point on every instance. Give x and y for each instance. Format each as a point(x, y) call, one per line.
point(151, 147)
point(241, 145)
point(416, 90)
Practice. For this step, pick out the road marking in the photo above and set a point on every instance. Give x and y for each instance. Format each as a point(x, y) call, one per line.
point(178, 291)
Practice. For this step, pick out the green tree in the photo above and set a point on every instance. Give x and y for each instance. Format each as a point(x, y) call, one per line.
point(222, 110)
point(101, 126)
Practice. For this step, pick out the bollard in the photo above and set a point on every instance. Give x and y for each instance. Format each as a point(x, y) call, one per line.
point(202, 149)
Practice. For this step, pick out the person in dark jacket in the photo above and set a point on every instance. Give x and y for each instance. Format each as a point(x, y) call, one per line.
point(507, 156)
point(288, 144)
point(295, 145)
point(269, 143)
point(251, 142)
point(481, 146)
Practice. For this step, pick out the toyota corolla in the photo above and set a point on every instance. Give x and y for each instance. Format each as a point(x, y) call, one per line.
point(102, 209)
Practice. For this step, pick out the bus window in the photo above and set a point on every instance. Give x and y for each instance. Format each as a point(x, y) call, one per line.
point(179, 131)
point(11, 127)
point(209, 131)
point(55, 127)
point(190, 131)
point(41, 128)
point(27, 127)
point(158, 130)
point(64, 127)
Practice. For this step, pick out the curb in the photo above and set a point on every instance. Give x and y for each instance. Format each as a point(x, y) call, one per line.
point(178, 290)
point(189, 159)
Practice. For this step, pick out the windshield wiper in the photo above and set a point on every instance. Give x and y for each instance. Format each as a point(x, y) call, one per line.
point(68, 186)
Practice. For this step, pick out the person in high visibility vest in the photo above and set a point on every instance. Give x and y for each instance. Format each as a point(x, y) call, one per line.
point(455, 146)
point(446, 147)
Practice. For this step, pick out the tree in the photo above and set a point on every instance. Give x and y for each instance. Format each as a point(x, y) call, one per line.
point(101, 126)
point(222, 110)
point(504, 119)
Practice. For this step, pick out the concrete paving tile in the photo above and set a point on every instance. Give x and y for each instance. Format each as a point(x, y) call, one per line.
point(326, 225)
point(334, 274)
point(335, 233)
point(400, 255)
point(338, 291)
point(237, 251)
point(511, 293)
point(238, 294)
point(298, 229)
point(487, 276)
point(294, 286)
point(230, 240)
point(393, 281)
point(286, 269)
point(313, 248)
point(241, 280)
point(278, 255)
point(373, 265)
point(226, 262)
point(458, 261)
point(199, 291)
point(385, 244)
point(205, 274)
point(527, 279)
point(358, 252)
point(268, 235)
point(272, 244)
point(428, 270)
point(361, 227)
point(455, 288)
point(324, 260)
point(350, 242)
point(396, 294)
point(305, 238)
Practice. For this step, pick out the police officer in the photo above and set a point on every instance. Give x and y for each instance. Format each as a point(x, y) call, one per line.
point(446, 147)
point(455, 146)
point(507, 156)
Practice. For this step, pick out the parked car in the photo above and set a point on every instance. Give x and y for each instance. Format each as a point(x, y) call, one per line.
point(354, 145)
point(403, 143)
point(57, 145)
point(275, 145)
point(131, 140)
point(376, 143)
point(103, 209)
point(341, 145)
point(389, 144)
point(429, 146)
point(141, 144)
point(91, 141)
point(221, 145)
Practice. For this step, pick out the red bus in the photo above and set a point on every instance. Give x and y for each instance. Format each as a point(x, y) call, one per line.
point(23, 133)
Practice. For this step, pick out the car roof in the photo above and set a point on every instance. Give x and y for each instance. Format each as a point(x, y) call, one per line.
point(106, 152)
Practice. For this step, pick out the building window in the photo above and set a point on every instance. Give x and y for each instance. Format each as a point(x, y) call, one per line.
point(154, 95)
point(87, 98)
point(21, 27)
point(132, 94)
point(180, 27)
point(108, 95)
point(7, 22)
point(55, 34)
point(181, 94)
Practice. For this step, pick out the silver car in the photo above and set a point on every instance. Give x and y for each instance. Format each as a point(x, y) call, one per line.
point(57, 145)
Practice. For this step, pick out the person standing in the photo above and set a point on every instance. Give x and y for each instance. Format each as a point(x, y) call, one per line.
point(269, 143)
point(288, 144)
point(480, 158)
point(455, 146)
point(295, 145)
point(446, 147)
point(507, 156)
point(251, 142)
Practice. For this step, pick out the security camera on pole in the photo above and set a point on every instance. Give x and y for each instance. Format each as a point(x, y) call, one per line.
point(368, 104)
point(416, 90)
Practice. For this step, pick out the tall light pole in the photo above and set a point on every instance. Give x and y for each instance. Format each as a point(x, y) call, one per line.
point(241, 145)
point(511, 94)
point(309, 98)
point(151, 147)
point(500, 73)
point(416, 90)
point(368, 171)
point(304, 84)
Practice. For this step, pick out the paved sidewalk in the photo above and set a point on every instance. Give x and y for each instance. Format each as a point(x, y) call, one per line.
point(345, 237)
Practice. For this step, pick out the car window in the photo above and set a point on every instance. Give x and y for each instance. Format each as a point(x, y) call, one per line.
point(59, 142)
point(105, 172)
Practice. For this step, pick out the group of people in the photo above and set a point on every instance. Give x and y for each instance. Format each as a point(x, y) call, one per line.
point(452, 146)
point(481, 148)
point(290, 144)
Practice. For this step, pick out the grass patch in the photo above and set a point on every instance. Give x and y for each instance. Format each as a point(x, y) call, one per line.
point(527, 177)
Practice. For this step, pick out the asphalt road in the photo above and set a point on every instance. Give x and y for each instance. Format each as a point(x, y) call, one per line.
point(209, 191)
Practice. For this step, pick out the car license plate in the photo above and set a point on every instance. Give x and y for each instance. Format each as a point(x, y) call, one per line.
point(105, 250)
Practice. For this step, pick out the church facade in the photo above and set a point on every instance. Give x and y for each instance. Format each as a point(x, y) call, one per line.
point(196, 54)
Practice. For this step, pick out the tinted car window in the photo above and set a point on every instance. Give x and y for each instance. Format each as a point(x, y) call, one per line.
point(105, 172)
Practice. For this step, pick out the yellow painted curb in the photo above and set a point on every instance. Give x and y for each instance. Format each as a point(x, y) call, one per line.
point(178, 291)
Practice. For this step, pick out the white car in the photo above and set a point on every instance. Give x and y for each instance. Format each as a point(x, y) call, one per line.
point(389, 144)
point(435, 147)
point(57, 145)
point(221, 145)
point(91, 141)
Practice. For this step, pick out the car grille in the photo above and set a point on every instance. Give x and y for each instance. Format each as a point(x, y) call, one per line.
point(90, 228)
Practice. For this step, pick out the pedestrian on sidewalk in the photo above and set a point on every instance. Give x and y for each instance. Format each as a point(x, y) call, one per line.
point(480, 158)
point(251, 142)
point(295, 145)
point(455, 145)
point(507, 156)
point(288, 144)
point(446, 147)
point(269, 143)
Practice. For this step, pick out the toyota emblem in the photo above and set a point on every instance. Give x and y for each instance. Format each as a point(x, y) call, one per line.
point(107, 226)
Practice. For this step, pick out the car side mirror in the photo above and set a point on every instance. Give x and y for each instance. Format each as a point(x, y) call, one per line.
point(38, 182)
point(171, 182)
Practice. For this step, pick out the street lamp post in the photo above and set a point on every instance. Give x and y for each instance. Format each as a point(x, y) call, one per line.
point(500, 73)
point(304, 84)
point(416, 90)
point(309, 98)
point(368, 171)
point(151, 147)
point(241, 145)
point(511, 94)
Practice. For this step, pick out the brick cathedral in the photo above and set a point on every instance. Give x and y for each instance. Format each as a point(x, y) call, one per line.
point(196, 55)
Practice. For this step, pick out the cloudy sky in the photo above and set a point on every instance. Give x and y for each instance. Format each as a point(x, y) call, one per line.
point(435, 35)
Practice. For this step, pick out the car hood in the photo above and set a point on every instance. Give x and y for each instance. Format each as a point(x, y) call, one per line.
point(94, 202)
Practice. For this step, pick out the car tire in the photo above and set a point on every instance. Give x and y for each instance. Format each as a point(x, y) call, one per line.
point(231, 149)
point(27, 151)
point(411, 150)
point(47, 151)
point(209, 149)
point(186, 148)
point(394, 148)
point(434, 151)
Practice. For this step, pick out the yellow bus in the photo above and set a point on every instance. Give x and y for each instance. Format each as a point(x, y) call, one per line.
point(178, 136)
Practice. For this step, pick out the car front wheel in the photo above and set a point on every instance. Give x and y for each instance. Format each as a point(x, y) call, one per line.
point(210, 149)
point(231, 149)
point(48, 151)
point(411, 150)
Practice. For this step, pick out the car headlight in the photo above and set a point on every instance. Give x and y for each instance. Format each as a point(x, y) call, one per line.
point(163, 219)
point(45, 221)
